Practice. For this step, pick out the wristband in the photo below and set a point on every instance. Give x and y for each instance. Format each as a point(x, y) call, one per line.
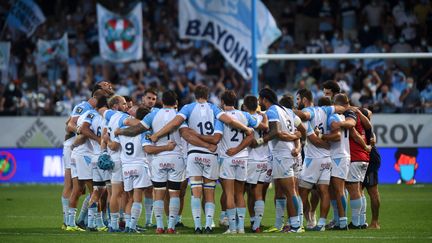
point(260, 141)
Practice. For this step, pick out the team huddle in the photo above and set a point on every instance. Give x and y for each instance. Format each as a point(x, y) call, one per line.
point(129, 156)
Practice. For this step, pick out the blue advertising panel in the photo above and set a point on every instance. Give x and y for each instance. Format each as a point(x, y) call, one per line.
point(403, 165)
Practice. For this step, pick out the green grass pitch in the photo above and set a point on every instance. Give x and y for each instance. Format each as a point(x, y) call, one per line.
point(32, 213)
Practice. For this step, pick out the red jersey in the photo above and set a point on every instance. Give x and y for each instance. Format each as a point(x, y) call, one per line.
point(357, 151)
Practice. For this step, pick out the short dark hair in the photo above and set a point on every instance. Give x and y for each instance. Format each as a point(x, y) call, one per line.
point(141, 112)
point(341, 99)
point(250, 102)
point(127, 98)
point(201, 92)
point(151, 91)
point(169, 98)
point(102, 102)
point(324, 101)
point(332, 85)
point(99, 93)
point(268, 94)
point(229, 98)
point(305, 93)
point(287, 101)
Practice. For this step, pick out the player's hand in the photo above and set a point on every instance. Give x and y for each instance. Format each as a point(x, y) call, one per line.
point(78, 129)
point(249, 131)
point(372, 142)
point(105, 137)
point(212, 147)
point(153, 138)
point(171, 145)
point(317, 131)
point(295, 152)
point(254, 144)
point(231, 152)
point(368, 148)
point(117, 132)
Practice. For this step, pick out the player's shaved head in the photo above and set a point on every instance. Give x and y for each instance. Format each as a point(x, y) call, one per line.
point(341, 99)
point(324, 101)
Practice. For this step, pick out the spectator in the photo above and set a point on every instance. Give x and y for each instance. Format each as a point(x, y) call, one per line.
point(410, 97)
point(426, 97)
point(386, 100)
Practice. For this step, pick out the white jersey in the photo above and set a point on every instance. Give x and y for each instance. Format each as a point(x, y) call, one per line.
point(339, 149)
point(289, 121)
point(200, 117)
point(90, 147)
point(114, 120)
point(261, 152)
point(318, 120)
point(155, 121)
point(232, 137)
point(132, 149)
point(78, 110)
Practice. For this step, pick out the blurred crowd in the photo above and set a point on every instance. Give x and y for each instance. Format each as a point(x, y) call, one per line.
point(308, 26)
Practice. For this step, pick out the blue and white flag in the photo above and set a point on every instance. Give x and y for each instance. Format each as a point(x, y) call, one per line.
point(4, 55)
point(26, 16)
point(120, 37)
point(53, 49)
point(228, 26)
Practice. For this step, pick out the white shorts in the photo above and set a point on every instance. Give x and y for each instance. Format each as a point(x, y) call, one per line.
point(116, 173)
point(168, 168)
point(135, 176)
point(340, 167)
point(200, 164)
point(67, 154)
point(73, 165)
point(257, 171)
point(316, 170)
point(84, 166)
point(298, 166)
point(100, 175)
point(357, 171)
point(233, 168)
point(282, 167)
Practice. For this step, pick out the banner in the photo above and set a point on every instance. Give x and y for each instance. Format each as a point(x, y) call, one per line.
point(228, 26)
point(120, 37)
point(53, 49)
point(26, 16)
point(31, 166)
point(398, 165)
point(4, 55)
point(32, 132)
point(402, 130)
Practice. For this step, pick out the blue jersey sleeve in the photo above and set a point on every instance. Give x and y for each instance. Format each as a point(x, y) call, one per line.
point(186, 110)
point(216, 111)
point(219, 126)
point(329, 110)
point(89, 117)
point(145, 138)
point(311, 111)
point(108, 114)
point(122, 119)
point(252, 121)
point(148, 119)
point(332, 118)
point(272, 114)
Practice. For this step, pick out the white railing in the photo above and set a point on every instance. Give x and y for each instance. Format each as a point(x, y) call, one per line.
point(305, 56)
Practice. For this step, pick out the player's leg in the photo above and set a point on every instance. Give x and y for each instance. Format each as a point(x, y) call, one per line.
point(73, 202)
point(148, 206)
point(288, 186)
point(375, 205)
point(339, 203)
point(355, 202)
point(195, 172)
point(240, 205)
point(228, 187)
point(250, 197)
point(183, 188)
point(117, 191)
point(324, 205)
point(314, 200)
point(257, 193)
point(136, 207)
point(209, 206)
point(223, 218)
point(174, 205)
point(67, 183)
